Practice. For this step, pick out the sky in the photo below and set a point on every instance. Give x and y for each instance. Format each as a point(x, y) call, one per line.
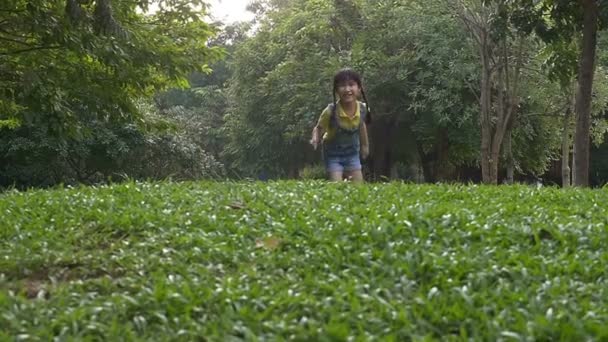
point(227, 11)
point(230, 10)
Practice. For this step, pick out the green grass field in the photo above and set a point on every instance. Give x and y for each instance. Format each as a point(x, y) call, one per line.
point(304, 261)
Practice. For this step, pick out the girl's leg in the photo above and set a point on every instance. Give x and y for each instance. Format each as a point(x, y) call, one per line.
point(335, 176)
point(356, 176)
point(334, 168)
point(352, 169)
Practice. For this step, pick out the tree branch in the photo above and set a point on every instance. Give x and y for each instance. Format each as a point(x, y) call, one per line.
point(558, 112)
point(473, 90)
point(11, 10)
point(12, 34)
point(466, 16)
point(15, 41)
point(14, 52)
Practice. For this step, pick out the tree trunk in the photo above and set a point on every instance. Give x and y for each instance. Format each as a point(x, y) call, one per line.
point(388, 151)
point(442, 164)
point(509, 158)
point(508, 147)
point(583, 96)
point(425, 164)
point(573, 168)
point(382, 137)
point(566, 180)
point(378, 146)
point(507, 101)
point(494, 57)
point(566, 151)
point(477, 22)
point(485, 100)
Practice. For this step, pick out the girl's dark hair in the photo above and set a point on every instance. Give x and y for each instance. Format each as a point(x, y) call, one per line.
point(346, 75)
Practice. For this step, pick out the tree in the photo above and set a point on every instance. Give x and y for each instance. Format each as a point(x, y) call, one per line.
point(421, 79)
point(200, 109)
point(583, 95)
point(562, 21)
point(418, 72)
point(501, 56)
point(69, 67)
point(279, 84)
point(402, 48)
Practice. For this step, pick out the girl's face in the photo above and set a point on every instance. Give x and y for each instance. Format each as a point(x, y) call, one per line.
point(348, 91)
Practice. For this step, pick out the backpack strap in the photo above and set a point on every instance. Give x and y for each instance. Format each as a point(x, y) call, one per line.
point(333, 117)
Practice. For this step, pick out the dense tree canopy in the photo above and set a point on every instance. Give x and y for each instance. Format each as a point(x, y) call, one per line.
point(72, 74)
point(92, 90)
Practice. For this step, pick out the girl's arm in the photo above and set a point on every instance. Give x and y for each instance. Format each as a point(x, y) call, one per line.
point(322, 125)
point(316, 136)
point(364, 141)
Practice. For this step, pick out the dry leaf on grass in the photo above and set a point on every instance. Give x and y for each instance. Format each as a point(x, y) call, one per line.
point(269, 243)
point(237, 205)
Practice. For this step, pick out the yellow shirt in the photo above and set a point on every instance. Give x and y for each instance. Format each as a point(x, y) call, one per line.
point(343, 119)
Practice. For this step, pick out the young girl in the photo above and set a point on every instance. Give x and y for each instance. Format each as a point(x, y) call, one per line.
point(342, 126)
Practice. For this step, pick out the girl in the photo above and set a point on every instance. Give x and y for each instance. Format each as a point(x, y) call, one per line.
point(343, 129)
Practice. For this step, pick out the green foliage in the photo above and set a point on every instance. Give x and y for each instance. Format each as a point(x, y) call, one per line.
point(106, 151)
point(219, 261)
point(404, 50)
point(61, 67)
point(200, 111)
point(311, 172)
point(599, 165)
point(421, 72)
point(279, 87)
point(559, 25)
point(199, 114)
point(72, 74)
point(420, 75)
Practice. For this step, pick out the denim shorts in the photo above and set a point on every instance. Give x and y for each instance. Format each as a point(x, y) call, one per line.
point(343, 163)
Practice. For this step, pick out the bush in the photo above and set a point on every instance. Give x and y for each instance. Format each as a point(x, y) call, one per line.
point(313, 172)
point(30, 156)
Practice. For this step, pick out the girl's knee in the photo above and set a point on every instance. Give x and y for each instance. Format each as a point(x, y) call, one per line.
point(335, 176)
point(355, 176)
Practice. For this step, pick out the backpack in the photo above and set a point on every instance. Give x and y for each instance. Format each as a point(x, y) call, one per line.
point(345, 141)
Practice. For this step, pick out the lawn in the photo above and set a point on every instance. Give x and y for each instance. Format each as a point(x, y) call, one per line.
point(217, 261)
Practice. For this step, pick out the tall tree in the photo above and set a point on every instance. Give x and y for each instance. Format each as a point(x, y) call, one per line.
point(585, 86)
point(562, 21)
point(501, 59)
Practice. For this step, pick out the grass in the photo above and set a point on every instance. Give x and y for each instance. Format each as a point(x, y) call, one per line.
point(304, 261)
